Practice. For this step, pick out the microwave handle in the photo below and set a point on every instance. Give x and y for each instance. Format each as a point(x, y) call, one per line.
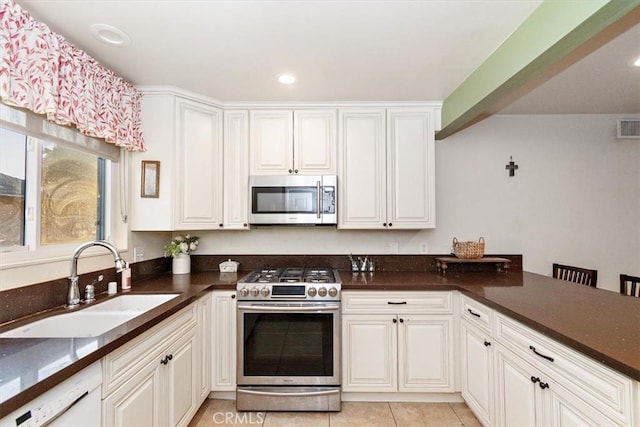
point(319, 199)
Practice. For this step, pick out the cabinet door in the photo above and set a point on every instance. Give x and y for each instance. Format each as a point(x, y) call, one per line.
point(425, 353)
point(271, 142)
point(199, 171)
point(314, 142)
point(477, 372)
point(410, 168)
point(181, 380)
point(516, 394)
point(203, 368)
point(369, 352)
point(362, 191)
point(137, 402)
point(236, 170)
point(565, 409)
point(223, 350)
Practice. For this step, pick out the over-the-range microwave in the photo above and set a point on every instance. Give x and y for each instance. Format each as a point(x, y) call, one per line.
point(293, 200)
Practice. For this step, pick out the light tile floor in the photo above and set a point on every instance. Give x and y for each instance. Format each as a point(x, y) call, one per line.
point(216, 412)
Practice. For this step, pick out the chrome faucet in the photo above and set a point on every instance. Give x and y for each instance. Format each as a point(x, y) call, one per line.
point(73, 297)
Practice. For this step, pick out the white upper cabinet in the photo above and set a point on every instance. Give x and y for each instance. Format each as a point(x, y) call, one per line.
point(236, 170)
point(204, 172)
point(410, 168)
point(293, 142)
point(199, 155)
point(386, 168)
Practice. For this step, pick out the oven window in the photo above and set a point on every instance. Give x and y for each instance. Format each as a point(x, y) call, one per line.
point(288, 344)
point(284, 200)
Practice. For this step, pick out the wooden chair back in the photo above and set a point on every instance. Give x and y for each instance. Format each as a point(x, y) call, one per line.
point(580, 275)
point(630, 285)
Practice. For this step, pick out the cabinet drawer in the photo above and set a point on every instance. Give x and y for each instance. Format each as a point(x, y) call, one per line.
point(420, 302)
point(596, 384)
point(122, 363)
point(476, 313)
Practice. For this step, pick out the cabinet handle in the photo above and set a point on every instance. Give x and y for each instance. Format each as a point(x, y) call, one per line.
point(532, 348)
point(290, 170)
point(471, 312)
point(233, 297)
point(395, 320)
point(486, 343)
point(390, 224)
point(245, 225)
point(401, 320)
point(543, 385)
point(535, 379)
point(396, 303)
point(384, 224)
point(220, 225)
point(170, 357)
point(164, 361)
point(295, 170)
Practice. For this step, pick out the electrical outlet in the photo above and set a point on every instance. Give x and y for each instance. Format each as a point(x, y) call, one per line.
point(424, 248)
point(138, 254)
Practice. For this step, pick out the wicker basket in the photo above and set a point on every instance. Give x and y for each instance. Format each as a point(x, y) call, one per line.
point(468, 250)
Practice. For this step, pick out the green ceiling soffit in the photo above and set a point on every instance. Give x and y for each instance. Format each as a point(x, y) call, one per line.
point(555, 30)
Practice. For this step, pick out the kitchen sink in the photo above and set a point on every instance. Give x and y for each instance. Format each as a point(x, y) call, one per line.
point(131, 303)
point(92, 321)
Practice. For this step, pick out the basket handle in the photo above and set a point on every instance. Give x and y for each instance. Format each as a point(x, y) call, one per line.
point(455, 241)
point(481, 239)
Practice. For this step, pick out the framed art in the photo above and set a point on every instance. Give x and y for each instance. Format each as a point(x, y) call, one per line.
point(150, 179)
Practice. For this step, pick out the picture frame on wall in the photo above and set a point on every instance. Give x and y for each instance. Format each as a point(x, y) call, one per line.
point(150, 186)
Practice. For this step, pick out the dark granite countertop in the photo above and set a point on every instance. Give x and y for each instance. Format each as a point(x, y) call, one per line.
point(600, 324)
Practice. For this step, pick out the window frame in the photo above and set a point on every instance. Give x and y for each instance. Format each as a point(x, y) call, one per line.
point(115, 226)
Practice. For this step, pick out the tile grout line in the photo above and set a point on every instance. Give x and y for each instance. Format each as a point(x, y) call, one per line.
point(456, 414)
point(392, 414)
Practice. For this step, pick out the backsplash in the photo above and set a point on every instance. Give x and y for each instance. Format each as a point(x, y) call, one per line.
point(27, 300)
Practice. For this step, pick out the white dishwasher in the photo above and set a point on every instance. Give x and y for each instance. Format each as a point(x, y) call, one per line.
point(74, 402)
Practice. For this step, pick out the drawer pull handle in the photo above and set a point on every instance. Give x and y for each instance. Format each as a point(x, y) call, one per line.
point(543, 385)
point(471, 312)
point(396, 303)
point(535, 379)
point(487, 343)
point(532, 348)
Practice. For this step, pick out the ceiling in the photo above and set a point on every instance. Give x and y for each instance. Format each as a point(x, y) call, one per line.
point(340, 50)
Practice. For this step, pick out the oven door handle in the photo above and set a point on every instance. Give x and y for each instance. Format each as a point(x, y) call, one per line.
point(300, 393)
point(255, 307)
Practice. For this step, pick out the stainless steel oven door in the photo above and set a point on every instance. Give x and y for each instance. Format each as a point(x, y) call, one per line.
point(288, 343)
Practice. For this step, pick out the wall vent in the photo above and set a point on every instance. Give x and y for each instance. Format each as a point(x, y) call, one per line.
point(629, 128)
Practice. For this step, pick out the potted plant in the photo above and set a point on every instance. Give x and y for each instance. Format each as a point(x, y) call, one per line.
point(179, 249)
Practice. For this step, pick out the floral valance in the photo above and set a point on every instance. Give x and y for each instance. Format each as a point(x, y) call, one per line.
point(42, 72)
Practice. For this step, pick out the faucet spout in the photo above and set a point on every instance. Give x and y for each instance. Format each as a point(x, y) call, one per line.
point(73, 297)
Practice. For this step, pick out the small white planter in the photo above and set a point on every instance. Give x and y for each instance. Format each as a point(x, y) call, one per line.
point(181, 264)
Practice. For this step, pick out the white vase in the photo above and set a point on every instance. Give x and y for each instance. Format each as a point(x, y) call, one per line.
point(181, 264)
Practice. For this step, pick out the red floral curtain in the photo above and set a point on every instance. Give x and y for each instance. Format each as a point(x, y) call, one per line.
point(42, 72)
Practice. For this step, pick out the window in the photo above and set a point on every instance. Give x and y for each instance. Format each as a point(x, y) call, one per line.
point(55, 184)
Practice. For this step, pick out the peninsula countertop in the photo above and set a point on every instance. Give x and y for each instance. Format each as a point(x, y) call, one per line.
point(600, 324)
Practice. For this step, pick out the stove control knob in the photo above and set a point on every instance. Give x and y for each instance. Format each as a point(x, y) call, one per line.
point(333, 292)
point(255, 292)
point(312, 292)
point(265, 292)
point(322, 291)
point(244, 292)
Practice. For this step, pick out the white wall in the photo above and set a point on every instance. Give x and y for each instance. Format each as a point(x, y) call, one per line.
point(575, 199)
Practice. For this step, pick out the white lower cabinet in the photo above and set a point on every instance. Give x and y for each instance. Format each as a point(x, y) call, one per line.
point(157, 378)
point(396, 351)
point(223, 343)
point(476, 371)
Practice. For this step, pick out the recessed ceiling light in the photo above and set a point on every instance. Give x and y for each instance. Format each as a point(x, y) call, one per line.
point(287, 78)
point(111, 35)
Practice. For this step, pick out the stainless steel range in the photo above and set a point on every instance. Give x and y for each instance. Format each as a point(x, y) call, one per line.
point(289, 340)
